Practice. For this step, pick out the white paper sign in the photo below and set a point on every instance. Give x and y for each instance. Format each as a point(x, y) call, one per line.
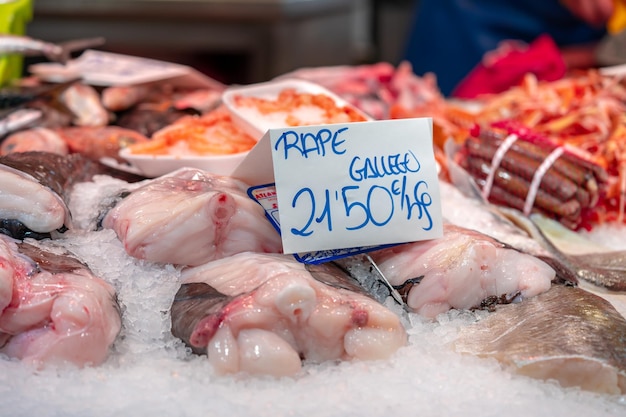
point(111, 69)
point(356, 184)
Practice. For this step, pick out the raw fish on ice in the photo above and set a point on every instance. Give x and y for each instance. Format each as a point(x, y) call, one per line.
point(565, 334)
point(528, 234)
point(463, 204)
point(35, 188)
point(190, 217)
point(463, 269)
point(265, 313)
point(53, 310)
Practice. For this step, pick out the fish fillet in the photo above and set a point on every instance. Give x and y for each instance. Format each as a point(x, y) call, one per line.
point(462, 270)
point(190, 217)
point(566, 334)
point(265, 313)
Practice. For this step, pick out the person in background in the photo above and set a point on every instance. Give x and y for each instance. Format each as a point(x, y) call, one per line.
point(451, 37)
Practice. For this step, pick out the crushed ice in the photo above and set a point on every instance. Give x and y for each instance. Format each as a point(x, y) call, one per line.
point(151, 373)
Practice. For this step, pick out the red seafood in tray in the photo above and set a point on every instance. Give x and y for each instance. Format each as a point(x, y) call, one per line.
point(210, 141)
point(283, 103)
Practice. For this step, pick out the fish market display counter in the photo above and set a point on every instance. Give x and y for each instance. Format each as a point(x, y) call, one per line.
point(275, 36)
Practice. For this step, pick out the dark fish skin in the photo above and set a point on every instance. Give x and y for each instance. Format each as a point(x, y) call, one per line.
point(51, 262)
point(61, 172)
point(17, 230)
point(334, 276)
point(611, 260)
point(147, 119)
point(14, 96)
point(605, 269)
point(193, 303)
point(57, 172)
point(567, 334)
point(57, 263)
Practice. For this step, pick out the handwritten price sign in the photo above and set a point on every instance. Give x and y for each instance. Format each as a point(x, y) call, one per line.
point(356, 184)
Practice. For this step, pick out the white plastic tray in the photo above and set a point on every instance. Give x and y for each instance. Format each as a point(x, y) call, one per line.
point(156, 165)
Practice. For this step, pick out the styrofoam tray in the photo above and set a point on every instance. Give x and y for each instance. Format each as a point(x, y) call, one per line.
point(156, 165)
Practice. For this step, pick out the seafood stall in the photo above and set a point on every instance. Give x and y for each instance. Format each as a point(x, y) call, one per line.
point(144, 268)
point(270, 36)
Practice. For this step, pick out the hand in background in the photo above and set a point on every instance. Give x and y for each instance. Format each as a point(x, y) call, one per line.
point(594, 12)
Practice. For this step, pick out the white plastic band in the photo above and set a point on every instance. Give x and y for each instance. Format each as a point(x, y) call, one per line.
point(622, 193)
point(495, 163)
point(538, 176)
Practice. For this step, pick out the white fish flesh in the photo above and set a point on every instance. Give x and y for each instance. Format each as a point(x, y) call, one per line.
point(35, 188)
point(19, 119)
point(24, 198)
point(265, 313)
point(24, 45)
point(476, 214)
point(190, 217)
point(53, 310)
point(85, 104)
point(566, 334)
point(463, 269)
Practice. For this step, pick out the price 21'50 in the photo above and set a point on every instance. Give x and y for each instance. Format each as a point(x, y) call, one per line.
point(357, 208)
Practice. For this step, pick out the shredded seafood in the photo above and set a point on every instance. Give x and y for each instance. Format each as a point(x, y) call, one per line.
point(290, 101)
point(213, 133)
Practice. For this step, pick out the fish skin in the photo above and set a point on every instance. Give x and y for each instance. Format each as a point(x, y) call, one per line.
point(607, 270)
point(11, 44)
point(58, 172)
point(84, 103)
point(567, 334)
point(34, 139)
point(595, 263)
point(24, 45)
point(51, 262)
point(615, 260)
point(36, 188)
point(193, 303)
point(612, 279)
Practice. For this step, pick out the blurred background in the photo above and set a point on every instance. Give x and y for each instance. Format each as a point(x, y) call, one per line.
point(234, 41)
